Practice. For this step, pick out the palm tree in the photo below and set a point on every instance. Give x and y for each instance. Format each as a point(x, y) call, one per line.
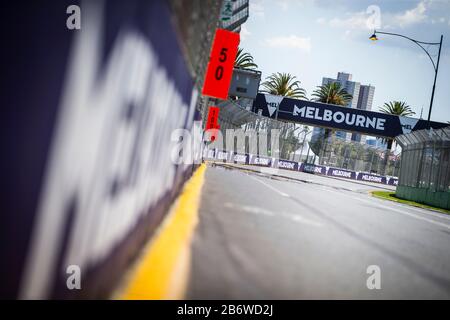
point(332, 93)
point(244, 60)
point(397, 108)
point(283, 84)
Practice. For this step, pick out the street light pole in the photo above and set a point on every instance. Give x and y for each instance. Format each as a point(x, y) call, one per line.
point(435, 76)
point(420, 44)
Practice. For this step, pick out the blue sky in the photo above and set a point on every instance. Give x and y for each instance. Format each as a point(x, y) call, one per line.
point(312, 39)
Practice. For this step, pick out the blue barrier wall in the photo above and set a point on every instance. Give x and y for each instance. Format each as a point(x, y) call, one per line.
point(89, 115)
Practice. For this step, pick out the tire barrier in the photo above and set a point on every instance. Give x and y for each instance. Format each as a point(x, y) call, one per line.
point(249, 159)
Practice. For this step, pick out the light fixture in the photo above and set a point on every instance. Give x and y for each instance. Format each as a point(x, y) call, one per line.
point(373, 37)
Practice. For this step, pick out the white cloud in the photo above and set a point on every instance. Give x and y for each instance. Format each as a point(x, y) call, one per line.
point(321, 20)
point(257, 9)
point(245, 33)
point(291, 41)
point(357, 20)
point(284, 4)
point(440, 20)
point(362, 20)
point(411, 16)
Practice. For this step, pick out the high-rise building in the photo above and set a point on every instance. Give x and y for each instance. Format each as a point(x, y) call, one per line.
point(365, 98)
point(233, 14)
point(362, 99)
point(352, 87)
point(365, 101)
point(376, 143)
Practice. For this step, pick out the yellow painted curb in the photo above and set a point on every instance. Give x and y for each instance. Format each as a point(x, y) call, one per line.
point(163, 270)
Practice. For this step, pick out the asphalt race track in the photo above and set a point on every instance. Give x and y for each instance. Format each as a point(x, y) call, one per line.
point(267, 237)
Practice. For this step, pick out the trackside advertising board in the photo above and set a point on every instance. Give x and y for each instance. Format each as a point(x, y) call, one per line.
point(337, 117)
point(89, 115)
point(249, 159)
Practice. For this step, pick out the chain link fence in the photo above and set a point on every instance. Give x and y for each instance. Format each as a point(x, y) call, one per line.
point(295, 143)
point(425, 167)
point(272, 138)
point(356, 156)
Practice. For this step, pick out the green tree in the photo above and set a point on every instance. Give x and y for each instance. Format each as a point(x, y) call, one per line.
point(332, 93)
point(397, 108)
point(283, 84)
point(244, 60)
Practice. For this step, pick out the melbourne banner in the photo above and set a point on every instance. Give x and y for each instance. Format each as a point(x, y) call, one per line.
point(337, 117)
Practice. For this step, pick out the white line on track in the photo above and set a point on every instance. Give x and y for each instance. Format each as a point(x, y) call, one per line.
point(437, 215)
point(264, 212)
point(399, 205)
point(395, 210)
point(270, 187)
point(373, 203)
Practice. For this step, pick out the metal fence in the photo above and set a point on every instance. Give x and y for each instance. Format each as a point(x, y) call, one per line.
point(235, 115)
point(425, 160)
point(295, 143)
point(352, 155)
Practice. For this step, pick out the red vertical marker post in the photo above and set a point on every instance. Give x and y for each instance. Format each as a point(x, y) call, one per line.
point(221, 63)
point(212, 122)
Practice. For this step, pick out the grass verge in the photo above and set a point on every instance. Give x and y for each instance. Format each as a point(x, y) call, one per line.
point(390, 195)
